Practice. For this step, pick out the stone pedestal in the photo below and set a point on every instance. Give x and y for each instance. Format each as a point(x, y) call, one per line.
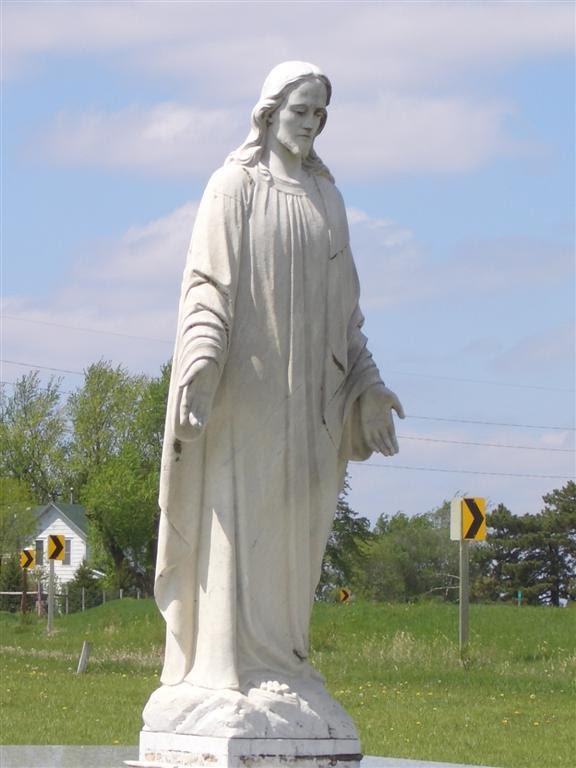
point(173, 750)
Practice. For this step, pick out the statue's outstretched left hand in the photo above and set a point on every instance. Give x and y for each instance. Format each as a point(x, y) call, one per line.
point(376, 406)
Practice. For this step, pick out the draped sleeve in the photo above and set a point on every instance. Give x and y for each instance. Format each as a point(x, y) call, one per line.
point(210, 278)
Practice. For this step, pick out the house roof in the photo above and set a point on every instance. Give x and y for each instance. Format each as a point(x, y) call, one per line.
point(75, 513)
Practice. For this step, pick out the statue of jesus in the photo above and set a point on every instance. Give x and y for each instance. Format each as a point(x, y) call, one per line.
point(273, 390)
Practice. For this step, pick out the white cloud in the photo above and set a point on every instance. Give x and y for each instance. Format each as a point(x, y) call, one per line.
point(150, 254)
point(362, 45)
point(373, 53)
point(541, 351)
point(126, 287)
point(395, 270)
point(404, 134)
point(169, 138)
point(361, 140)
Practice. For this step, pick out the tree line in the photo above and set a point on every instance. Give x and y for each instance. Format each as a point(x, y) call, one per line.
point(102, 444)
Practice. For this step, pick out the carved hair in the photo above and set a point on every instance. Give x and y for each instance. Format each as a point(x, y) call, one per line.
point(283, 79)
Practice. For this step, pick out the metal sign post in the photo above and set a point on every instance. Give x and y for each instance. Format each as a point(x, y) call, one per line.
point(56, 549)
point(467, 523)
point(51, 598)
point(464, 594)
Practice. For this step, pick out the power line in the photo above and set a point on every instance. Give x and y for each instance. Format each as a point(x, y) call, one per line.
point(490, 423)
point(85, 330)
point(481, 381)
point(487, 445)
point(463, 471)
point(42, 367)
point(408, 416)
point(395, 373)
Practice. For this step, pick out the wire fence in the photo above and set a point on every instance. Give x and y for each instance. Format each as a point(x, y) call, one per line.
point(66, 600)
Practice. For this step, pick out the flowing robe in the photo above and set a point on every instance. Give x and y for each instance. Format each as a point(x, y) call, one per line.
point(270, 294)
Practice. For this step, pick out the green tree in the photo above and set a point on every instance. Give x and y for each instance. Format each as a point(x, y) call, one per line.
point(33, 436)
point(121, 499)
point(409, 558)
point(12, 579)
point(534, 554)
point(556, 552)
point(17, 521)
point(103, 413)
point(118, 424)
point(87, 583)
point(344, 552)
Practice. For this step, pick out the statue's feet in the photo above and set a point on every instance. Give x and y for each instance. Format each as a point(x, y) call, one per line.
point(266, 708)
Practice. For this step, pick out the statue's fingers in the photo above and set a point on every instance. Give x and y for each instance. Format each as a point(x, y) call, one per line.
point(397, 406)
point(373, 439)
point(184, 408)
point(196, 422)
point(197, 411)
point(384, 445)
point(393, 439)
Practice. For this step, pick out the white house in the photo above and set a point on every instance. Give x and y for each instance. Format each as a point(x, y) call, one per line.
point(68, 520)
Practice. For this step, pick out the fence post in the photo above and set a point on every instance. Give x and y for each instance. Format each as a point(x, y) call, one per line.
point(137, 594)
point(121, 594)
point(39, 606)
point(84, 655)
point(103, 596)
point(83, 599)
point(67, 605)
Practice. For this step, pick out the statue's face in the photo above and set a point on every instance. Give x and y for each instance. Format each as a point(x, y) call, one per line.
point(296, 122)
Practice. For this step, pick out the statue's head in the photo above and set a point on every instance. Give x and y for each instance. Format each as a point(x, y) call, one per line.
point(278, 86)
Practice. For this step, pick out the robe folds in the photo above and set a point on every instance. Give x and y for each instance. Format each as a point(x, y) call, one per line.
point(270, 294)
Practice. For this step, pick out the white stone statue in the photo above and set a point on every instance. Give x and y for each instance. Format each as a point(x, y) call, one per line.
point(273, 390)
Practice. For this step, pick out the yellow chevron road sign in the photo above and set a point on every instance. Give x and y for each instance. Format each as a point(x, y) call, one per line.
point(468, 519)
point(56, 547)
point(28, 558)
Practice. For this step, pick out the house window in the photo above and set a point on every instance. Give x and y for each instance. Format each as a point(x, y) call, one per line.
point(67, 552)
point(39, 551)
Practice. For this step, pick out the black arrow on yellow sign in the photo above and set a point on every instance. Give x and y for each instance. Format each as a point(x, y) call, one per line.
point(27, 558)
point(478, 519)
point(55, 547)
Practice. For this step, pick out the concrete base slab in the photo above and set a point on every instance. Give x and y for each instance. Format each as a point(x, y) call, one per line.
point(172, 750)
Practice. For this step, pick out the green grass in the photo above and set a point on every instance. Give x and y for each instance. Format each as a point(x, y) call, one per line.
point(395, 668)
point(397, 671)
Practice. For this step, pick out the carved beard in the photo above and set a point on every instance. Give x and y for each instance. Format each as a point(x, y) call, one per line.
point(290, 146)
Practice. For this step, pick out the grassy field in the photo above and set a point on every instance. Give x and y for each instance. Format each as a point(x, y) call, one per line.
point(395, 668)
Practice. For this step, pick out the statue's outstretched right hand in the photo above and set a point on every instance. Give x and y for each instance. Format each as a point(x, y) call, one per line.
point(195, 399)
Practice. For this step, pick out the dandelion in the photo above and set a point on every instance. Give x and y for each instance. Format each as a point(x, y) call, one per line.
point(532, 696)
point(505, 722)
point(535, 722)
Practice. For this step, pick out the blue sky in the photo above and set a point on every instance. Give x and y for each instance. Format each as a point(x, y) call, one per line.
point(451, 138)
